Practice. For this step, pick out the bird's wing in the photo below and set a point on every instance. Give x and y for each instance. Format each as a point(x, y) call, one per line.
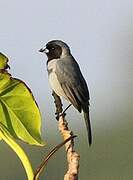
point(72, 82)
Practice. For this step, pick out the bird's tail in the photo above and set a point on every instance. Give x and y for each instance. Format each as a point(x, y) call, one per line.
point(88, 125)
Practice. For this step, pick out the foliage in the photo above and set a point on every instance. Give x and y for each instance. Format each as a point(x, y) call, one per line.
point(19, 112)
point(19, 115)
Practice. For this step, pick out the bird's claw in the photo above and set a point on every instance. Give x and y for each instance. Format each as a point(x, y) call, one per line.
point(58, 115)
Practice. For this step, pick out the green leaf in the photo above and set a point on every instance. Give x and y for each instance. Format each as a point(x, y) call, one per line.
point(5, 136)
point(19, 111)
point(3, 61)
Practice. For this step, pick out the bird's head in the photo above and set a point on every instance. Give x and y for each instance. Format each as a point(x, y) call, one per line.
point(55, 49)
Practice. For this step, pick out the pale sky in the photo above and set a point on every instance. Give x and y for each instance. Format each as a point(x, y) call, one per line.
point(100, 36)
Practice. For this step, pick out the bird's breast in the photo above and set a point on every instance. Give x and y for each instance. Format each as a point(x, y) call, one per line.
point(53, 80)
point(55, 84)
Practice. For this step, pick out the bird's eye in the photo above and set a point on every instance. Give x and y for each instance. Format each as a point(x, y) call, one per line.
point(53, 48)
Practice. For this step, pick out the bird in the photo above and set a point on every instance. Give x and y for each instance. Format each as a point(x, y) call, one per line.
point(66, 79)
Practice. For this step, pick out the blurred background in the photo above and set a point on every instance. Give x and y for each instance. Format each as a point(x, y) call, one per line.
point(100, 34)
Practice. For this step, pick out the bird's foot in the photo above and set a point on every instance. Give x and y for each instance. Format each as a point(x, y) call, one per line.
point(63, 114)
point(58, 115)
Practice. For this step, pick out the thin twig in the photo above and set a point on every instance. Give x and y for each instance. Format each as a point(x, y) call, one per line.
point(45, 160)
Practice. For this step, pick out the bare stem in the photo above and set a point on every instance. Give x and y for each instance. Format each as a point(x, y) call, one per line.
point(72, 157)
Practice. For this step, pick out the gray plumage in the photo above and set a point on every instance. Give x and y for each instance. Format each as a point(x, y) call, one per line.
point(67, 80)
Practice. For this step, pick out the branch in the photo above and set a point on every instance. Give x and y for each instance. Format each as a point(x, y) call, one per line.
point(72, 156)
point(45, 160)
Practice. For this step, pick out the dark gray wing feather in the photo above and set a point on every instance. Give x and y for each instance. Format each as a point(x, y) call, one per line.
point(71, 96)
point(72, 82)
point(74, 87)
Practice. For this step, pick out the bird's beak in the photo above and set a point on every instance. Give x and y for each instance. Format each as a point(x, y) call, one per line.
point(45, 50)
